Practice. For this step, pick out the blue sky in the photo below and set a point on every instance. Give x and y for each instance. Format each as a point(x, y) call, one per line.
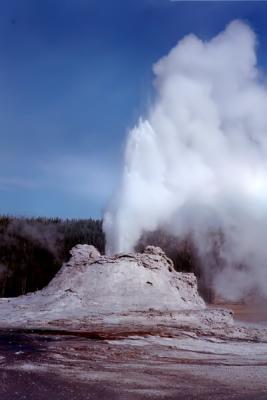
point(75, 75)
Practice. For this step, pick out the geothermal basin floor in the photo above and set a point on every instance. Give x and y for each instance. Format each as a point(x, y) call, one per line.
point(116, 364)
point(126, 327)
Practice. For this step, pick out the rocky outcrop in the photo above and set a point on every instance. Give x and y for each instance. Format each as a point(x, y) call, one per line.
point(126, 286)
point(125, 282)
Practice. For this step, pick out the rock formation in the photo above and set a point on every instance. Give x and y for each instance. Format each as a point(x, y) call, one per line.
point(149, 329)
point(92, 287)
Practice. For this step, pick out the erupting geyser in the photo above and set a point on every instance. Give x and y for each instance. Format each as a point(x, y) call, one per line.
point(198, 162)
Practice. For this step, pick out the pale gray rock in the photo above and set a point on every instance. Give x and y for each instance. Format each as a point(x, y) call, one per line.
point(131, 287)
point(82, 253)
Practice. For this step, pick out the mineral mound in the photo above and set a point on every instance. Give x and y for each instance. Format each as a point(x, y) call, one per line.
point(91, 286)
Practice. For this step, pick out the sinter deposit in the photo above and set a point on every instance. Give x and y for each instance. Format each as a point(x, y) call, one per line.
point(128, 286)
point(127, 326)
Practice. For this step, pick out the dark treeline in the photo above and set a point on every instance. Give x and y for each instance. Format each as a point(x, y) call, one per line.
point(33, 249)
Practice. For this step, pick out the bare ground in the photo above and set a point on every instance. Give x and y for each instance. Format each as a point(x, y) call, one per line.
point(81, 366)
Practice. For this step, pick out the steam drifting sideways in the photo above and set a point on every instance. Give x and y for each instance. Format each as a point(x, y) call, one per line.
point(198, 163)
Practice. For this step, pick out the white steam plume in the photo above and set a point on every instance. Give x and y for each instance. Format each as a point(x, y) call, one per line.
point(198, 163)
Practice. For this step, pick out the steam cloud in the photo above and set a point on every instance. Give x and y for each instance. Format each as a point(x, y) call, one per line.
point(198, 163)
